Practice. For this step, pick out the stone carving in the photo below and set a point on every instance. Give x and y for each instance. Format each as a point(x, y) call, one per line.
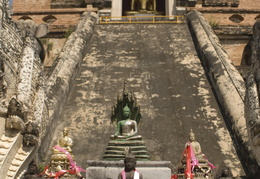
point(127, 117)
point(30, 139)
point(3, 85)
point(29, 28)
point(32, 172)
point(22, 96)
point(15, 116)
point(251, 56)
point(129, 171)
point(224, 172)
point(251, 51)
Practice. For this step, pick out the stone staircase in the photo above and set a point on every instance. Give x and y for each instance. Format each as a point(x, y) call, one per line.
point(10, 142)
point(19, 159)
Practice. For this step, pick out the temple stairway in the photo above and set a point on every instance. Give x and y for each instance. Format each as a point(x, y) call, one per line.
point(10, 143)
point(160, 65)
point(13, 155)
point(19, 160)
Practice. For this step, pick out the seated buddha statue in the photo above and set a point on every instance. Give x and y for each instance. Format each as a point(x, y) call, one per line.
point(127, 128)
point(61, 151)
point(65, 142)
point(196, 148)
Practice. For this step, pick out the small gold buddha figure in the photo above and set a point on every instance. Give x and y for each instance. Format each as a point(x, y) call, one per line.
point(62, 150)
point(66, 142)
point(127, 128)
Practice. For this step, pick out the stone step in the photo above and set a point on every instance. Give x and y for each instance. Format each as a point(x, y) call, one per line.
point(10, 174)
point(134, 148)
point(122, 157)
point(140, 152)
point(12, 141)
point(7, 139)
point(5, 145)
point(126, 143)
point(18, 160)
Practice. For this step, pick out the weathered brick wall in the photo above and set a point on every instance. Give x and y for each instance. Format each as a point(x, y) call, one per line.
point(249, 4)
point(29, 5)
point(62, 19)
point(223, 19)
point(234, 48)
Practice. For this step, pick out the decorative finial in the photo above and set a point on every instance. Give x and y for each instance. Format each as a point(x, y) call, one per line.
point(124, 87)
point(191, 133)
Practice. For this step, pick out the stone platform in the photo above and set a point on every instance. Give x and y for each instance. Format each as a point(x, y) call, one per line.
point(116, 149)
point(111, 169)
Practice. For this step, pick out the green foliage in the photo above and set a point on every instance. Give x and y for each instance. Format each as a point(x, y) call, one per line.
point(47, 44)
point(49, 48)
point(41, 167)
point(214, 24)
point(68, 32)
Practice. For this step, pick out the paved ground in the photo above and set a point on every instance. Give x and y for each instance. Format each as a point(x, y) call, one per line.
point(161, 67)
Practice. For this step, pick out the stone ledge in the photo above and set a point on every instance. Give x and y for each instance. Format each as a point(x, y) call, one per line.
point(56, 11)
point(111, 169)
point(224, 10)
point(104, 163)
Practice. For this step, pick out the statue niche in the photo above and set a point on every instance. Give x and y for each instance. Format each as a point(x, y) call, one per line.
point(143, 5)
point(127, 118)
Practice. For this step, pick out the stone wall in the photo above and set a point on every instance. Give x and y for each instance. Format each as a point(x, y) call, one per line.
point(251, 56)
point(29, 5)
point(67, 3)
point(234, 48)
point(64, 18)
point(61, 77)
point(227, 84)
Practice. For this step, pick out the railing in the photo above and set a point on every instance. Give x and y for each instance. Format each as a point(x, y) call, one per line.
point(142, 19)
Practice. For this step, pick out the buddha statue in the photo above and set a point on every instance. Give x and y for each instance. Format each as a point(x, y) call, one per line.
point(127, 128)
point(129, 171)
point(127, 117)
point(143, 5)
point(196, 147)
point(65, 142)
point(61, 151)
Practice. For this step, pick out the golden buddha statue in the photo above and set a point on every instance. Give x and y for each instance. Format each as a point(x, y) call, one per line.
point(126, 129)
point(143, 5)
point(66, 142)
point(61, 151)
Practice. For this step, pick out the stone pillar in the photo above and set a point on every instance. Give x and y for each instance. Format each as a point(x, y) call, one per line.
point(117, 6)
point(170, 8)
